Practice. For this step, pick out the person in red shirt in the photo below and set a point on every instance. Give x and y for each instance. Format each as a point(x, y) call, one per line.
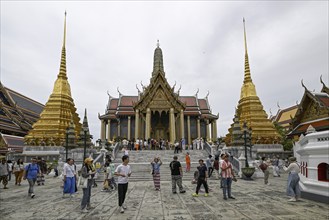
point(188, 162)
point(227, 176)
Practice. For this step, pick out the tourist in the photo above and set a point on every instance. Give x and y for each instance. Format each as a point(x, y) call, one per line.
point(201, 143)
point(202, 179)
point(43, 169)
point(227, 176)
point(183, 144)
point(216, 166)
point(87, 172)
point(4, 173)
point(293, 189)
point(188, 162)
point(111, 169)
point(220, 169)
point(30, 173)
point(125, 151)
point(276, 172)
point(69, 178)
point(137, 144)
point(156, 163)
point(107, 177)
point(264, 167)
point(146, 145)
point(209, 165)
point(176, 144)
point(10, 169)
point(18, 171)
point(123, 171)
point(176, 175)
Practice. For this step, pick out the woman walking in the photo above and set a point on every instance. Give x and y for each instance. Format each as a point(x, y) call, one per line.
point(18, 171)
point(293, 180)
point(87, 172)
point(69, 178)
point(156, 163)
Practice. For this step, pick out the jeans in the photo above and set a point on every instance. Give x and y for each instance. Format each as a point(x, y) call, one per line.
point(122, 190)
point(210, 170)
point(31, 185)
point(227, 182)
point(86, 195)
point(266, 175)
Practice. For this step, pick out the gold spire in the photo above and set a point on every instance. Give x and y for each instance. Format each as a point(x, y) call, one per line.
point(247, 77)
point(62, 69)
point(58, 111)
point(158, 60)
point(248, 88)
point(250, 108)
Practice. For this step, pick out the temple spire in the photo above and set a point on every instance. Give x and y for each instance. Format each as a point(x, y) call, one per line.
point(62, 69)
point(158, 60)
point(247, 77)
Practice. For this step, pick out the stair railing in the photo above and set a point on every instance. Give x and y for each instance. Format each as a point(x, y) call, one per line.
point(207, 147)
point(116, 149)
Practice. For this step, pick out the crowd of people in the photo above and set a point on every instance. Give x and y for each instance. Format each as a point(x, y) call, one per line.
point(220, 165)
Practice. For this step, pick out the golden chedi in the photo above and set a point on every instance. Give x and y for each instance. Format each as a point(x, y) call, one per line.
point(250, 110)
point(56, 116)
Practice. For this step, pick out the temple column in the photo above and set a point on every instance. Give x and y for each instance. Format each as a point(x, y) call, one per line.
point(188, 130)
point(215, 130)
point(212, 130)
point(102, 130)
point(172, 126)
point(198, 128)
point(128, 135)
point(208, 132)
point(148, 124)
point(109, 130)
point(136, 123)
point(182, 123)
point(119, 128)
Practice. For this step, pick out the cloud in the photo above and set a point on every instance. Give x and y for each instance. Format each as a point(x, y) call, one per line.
point(111, 44)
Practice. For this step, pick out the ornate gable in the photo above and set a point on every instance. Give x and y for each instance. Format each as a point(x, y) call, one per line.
point(158, 95)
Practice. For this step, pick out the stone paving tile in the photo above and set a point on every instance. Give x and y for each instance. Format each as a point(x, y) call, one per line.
point(254, 200)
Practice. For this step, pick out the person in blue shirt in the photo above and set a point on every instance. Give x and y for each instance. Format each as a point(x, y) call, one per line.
point(30, 173)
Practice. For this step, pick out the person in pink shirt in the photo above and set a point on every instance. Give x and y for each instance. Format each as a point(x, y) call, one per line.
point(227, 176)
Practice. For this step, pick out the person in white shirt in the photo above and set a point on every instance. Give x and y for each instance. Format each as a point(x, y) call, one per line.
point(69, 178)
point(293, 189)
point(123, 171)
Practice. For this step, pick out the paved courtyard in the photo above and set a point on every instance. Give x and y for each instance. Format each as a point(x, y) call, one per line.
point(253, 201)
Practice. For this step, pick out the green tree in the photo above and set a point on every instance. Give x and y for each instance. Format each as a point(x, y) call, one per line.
point(285, 141)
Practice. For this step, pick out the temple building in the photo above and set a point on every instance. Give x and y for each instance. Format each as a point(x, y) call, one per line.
point(313, 110)
point(285, 116)
point(17, 115)
point(158, 111)
point(250, 110)
point(50, 129)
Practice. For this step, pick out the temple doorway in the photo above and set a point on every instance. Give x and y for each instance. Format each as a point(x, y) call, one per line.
point(160, 125)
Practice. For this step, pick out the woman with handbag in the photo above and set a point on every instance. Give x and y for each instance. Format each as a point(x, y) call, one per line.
point(87, 174)
point(18, 171)
point(156, 163)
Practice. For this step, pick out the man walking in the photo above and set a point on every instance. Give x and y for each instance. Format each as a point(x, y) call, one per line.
point(202, 179)
point(176, 175)
point(31, 172)
point(123, 171)
point(4, 173)
point(227, 176)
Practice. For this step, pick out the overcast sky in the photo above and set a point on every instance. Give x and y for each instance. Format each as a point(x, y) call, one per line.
point(111, 44)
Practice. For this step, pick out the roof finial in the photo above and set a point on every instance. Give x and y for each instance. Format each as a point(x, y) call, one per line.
point(303, 85)
point(278, 105)
point(64, 39)
point(158, 44)
point(245, 36)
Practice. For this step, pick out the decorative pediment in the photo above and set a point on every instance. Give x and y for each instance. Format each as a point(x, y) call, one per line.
point(158, 95)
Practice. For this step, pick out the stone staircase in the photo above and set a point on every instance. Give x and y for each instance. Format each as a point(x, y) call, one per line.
point(139, 162)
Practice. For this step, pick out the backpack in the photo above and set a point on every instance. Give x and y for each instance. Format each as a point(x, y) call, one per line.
point(263, 166)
